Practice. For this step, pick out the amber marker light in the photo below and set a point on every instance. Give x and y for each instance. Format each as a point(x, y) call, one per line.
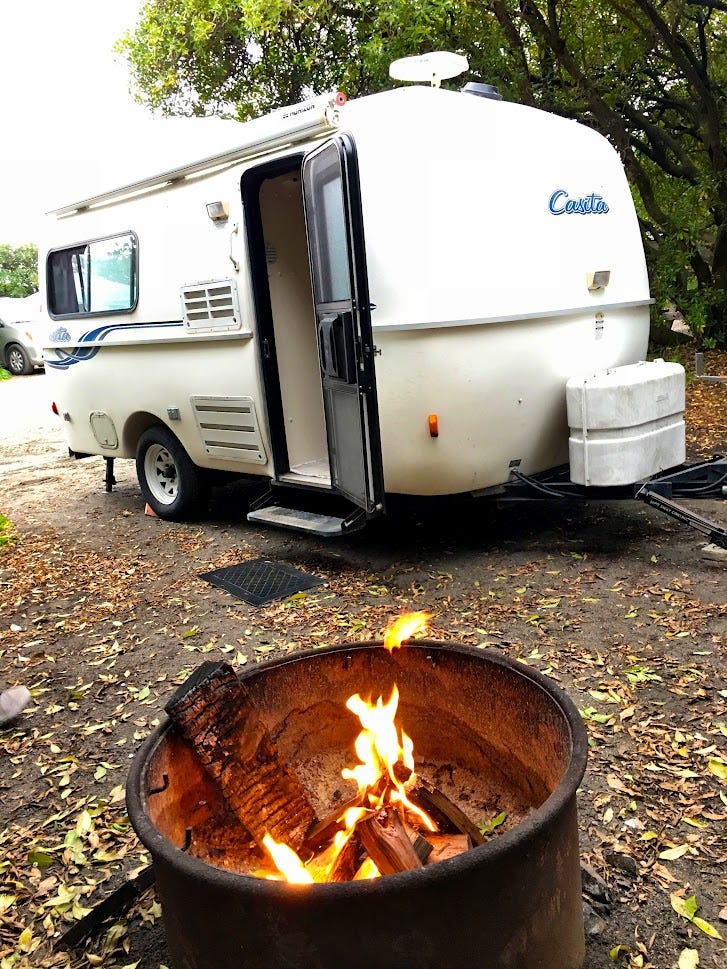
point(433, 425)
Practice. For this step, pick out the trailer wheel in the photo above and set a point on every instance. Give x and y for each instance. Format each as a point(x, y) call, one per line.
point(173, 486)
point(17, 360)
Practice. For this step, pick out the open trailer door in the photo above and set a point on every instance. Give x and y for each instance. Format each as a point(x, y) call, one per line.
point(343, 322)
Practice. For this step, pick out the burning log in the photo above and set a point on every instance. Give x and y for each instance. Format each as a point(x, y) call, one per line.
point(443, 810)
point(323, 831)
point(387, 843)
point(334, 865)
point(213, 710)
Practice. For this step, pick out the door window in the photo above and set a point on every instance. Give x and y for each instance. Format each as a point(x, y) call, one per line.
point(328, 231)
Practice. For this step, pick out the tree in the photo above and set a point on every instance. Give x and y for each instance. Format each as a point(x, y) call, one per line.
point(18, 270)
point(651, 75)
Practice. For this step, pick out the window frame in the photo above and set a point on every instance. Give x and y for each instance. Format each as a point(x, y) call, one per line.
point(127, 233)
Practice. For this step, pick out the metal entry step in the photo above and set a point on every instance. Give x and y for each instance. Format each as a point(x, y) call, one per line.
point(312, 522)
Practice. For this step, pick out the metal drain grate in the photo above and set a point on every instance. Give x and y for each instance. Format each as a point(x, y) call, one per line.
point(260, 580)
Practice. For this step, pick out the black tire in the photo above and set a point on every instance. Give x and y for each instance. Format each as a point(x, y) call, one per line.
point(174, 487)
point(17, 360)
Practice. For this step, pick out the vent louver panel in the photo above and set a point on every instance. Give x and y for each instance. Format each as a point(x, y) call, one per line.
point(229, 428)
point(211, 306)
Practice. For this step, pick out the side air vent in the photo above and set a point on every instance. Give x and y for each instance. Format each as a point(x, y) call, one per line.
point(229, 428)
point(211, 306)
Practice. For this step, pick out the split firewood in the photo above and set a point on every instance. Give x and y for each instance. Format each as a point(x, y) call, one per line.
point(386, 842)
point(320, 833)
point(443, 811)
point(423, 847)
point(323, 831)
point(443, 846)
point(216, 714)
point(346, 863)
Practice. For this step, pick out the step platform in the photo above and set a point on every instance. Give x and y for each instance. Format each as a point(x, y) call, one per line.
point(299, 520)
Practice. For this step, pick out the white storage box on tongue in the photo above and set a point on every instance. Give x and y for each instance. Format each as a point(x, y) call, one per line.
point(626, 424)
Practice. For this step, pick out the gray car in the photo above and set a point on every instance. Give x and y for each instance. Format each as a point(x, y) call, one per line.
point(21, 350)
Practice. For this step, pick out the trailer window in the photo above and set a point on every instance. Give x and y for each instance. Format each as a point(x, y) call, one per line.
point(93, 277)
point(328, 228)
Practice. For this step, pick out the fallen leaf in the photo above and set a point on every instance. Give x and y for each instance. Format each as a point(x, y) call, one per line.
point(706, 928)
point(718, 768)
point(6, 902)
point(671, 854)
point(688, 959)
point(686, 907)
point(618, 951)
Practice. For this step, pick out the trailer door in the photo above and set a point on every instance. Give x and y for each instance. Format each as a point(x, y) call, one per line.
point(343, 321)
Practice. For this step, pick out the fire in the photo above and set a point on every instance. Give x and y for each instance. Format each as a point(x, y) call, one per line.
point(380, 751)
point(384, 775)
point(405, 626)
point(287, 862)
point(367, 870)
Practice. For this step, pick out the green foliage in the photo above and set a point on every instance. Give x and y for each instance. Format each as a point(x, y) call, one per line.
point(4, 374)
point(6, 529)
point(651, 75)
point(18, 270)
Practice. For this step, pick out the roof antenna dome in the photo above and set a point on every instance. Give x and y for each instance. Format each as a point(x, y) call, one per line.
point(435, 67)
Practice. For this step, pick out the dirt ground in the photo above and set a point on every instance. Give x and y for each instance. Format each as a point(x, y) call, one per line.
point(103, 613)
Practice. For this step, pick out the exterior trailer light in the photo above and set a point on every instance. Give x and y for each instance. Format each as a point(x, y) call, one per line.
point(218, 211)
point(598, 281)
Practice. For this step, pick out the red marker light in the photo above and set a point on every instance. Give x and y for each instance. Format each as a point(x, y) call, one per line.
point(54, 408)
point(341, 99)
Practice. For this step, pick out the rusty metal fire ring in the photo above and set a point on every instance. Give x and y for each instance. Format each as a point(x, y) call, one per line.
point(512, 903)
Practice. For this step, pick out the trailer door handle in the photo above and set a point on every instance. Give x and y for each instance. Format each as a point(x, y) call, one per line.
point(327, 345)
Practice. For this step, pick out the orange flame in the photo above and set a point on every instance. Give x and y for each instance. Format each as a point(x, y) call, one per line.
point(367, 870)
point(405, 626)
point(380, 750)
point(383, 776)
point(287, 862)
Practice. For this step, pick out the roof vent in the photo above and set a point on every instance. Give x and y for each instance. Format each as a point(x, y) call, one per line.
point(482, 90)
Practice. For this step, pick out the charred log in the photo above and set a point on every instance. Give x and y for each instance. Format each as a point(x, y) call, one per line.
point(213, 710)
point(443, 811)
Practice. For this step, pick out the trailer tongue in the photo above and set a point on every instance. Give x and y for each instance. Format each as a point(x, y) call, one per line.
point(707, 479)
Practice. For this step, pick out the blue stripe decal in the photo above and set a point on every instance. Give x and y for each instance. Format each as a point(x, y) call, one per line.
point(79, 354)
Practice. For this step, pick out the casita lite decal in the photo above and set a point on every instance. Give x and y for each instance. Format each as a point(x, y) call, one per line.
point(592, 204)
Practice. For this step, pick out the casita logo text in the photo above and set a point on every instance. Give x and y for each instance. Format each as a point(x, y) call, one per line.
point(592, 204)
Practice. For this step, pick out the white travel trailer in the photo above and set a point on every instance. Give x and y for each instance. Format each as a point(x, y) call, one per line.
point(388, 295)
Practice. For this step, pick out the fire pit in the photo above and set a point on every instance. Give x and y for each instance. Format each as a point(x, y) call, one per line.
point(497, 738)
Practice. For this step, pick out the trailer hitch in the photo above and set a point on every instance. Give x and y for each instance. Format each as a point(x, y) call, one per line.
point(715, 533)
point(706, 479)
